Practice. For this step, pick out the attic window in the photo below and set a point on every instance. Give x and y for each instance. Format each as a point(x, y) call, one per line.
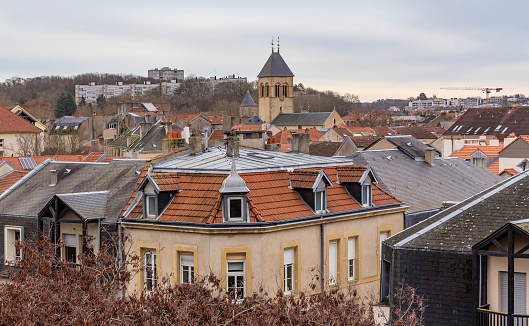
point(366, 195)
point(497, 128)
point(57, 127)
point(469, 130)
point(235, 206)
point(486, 130)
point(504, 130)
point(320, 201)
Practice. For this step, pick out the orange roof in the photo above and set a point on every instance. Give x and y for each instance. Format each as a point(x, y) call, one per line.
point(511, 171)
point(270, 197)
point(11, 122)
point(351, 174)
point(495, 167)
point(360, 130)
point(283, 136)
point(247, 127)
point(10, 179)
point(92, 157)
point(467, 151)
point(217, 135)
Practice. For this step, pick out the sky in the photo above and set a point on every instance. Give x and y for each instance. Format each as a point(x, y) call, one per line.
point(374, 49)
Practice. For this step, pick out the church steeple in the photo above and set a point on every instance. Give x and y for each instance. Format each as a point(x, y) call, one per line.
point(276, 87)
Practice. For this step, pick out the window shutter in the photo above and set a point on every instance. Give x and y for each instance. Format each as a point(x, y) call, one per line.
point(520, 292)
point(351, 247)
point(289, 257)
point(70, 240)
point(333, 262)
point(187, 260)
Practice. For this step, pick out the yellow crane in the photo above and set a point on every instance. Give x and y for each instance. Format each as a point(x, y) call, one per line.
point(486, 90)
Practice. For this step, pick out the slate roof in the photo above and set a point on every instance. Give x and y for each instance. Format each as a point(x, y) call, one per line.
point(463, 225)
point(254, 120)
point(421, 186)
point(29, 195)
point(11, 122)
point(301, 119)
point(407, 144)
point(422, 132)
point(89, 205)
point(70, 121)
point(364, 141)
point(248, 100)
point(498, 122)
point(270, 197)
point(275, 66)
point(324, 148)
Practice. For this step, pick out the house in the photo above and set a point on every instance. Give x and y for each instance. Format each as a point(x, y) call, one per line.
point(414, 173)
point(425, 134)
point(345, 148)
point(481, 156)
point(21, 112)
point(514, 155)
point(17, 135)
point(468, 256)
point(256, 218)
point(308, 120)
point(83, 201)
point(284, 139)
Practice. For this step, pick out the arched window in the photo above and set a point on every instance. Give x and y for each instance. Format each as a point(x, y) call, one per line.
point(285, 90)
point(267, 91)
point(261, 91)
point(277, 91)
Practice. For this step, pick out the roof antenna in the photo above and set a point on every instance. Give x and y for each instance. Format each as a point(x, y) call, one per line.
point(272, 44)
point(278, 44)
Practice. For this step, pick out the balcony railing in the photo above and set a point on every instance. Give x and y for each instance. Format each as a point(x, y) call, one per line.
point(488, 317)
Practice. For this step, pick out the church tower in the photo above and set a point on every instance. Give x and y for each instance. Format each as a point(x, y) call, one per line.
point(276, 88)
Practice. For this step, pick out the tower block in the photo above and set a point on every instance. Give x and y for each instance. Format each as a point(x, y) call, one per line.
point(276, 88)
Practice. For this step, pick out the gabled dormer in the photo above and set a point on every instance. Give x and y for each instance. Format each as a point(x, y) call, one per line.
point(311, 186)
point(234, 201)
point(157, 193)
point(357, 181)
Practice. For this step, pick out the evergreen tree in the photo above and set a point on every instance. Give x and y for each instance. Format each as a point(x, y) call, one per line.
point(65, 105)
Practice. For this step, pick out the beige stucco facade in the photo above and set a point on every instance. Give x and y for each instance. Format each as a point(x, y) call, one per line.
point(271, 103)
point(10, 144)
point(262, 249)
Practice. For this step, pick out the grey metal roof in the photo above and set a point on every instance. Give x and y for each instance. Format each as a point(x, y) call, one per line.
point(254, 120)
point(89, 205)
point(30, 194)
point(248, 100)
point(461, 226)
point(421, 186)
point(214, 160)
point(301, 119)
point(408, 144)
point(70, 121)
point(275, 66)
point(148, 107)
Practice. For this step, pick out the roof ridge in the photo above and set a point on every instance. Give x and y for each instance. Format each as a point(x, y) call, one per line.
point(24, 178)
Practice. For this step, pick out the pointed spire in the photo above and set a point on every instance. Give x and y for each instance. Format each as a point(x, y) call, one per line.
point(233, 183)
point(278, 44)
point(272, 43)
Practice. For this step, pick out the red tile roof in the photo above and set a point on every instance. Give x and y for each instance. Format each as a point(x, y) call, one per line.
point(303, 179)
point(11, 122)
point(10, 179)
point(468, 150)
point(270, 197)
point(511, 171)
point(351, 173)
point(495, 167)
point(92, 157)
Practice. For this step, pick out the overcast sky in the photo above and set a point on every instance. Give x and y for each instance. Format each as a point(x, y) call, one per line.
point(374, 48)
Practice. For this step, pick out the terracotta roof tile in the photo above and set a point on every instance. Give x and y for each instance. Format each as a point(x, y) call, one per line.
point(92, 157)
point(303, 179)
point(467, 151)
point(10, 179)
point(495, 167)
point(11, 122)
point(350, 173)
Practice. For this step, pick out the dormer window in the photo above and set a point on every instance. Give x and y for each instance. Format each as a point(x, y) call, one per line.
point(155, 200)
point(234, 202)
point(311, 186)
point(235, 206)
point(366, 195)
point(150, 201)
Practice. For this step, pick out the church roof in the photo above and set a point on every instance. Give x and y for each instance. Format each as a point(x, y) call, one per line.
point(248, 100)
point(275, 67)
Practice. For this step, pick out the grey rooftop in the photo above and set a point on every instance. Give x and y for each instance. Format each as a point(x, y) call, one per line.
point(214, 160)
point(301, 119)
point(275, 67)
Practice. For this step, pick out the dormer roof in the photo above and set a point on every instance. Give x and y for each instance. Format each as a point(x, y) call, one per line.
point(233, 182)
point(275, 66)
point(309, 179)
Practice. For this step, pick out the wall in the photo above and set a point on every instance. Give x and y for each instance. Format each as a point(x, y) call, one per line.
point(334, 120)
point(11, 147)
point(331, 136)
point(443, 278)
point(30, 230)
point(381, 145)
point(270, 107)
point(266, 249)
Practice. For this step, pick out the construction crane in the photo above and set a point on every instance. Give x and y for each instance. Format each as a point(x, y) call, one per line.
point(486, 90)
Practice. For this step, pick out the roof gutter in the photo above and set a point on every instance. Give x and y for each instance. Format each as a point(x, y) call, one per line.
point(259, 225)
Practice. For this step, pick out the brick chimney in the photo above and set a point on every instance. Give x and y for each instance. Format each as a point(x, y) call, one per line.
point(301, 142)
point(144, 127)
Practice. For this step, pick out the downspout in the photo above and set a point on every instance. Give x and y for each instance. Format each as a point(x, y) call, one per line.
point(322, 244)
point(120, 248)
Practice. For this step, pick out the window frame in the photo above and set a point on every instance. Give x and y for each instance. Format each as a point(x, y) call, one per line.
point(240, 199)
point(351, 267)
point(289, 265)
point(236, 275)
point(153, 265)
point(367, 201)
point(147, 198)
point(322, 195)
point(333, 279)
point(191, 266)
point(11, 246)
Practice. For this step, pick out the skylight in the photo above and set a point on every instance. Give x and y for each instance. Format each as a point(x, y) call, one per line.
point(486, 130)
point(475, 131)
point(469, 130)
point(497, 128)
point(504, 130)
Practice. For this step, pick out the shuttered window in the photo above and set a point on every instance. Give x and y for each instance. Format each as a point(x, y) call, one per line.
point(520, 292)
point(288, 261)
point(333, 262)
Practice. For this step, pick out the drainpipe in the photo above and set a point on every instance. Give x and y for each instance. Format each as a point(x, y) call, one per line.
point(120, 248)
point(322, 243)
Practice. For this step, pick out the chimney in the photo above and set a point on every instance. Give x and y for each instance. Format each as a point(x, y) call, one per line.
point(494, 142)
point(53, 179)
point(168, 127)
point(129, 140)
point(195, 145)
point(232, 146)
point(144, 127)
point(429, 156)
point(300, 142)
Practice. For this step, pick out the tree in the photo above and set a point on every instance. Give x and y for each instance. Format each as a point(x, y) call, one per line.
point(100, 100)
point(65, 105)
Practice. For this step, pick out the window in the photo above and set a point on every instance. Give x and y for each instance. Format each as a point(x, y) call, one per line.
point(277, 91)
point(70, 248)
point(320, 206)
point(1, 143)
point(383, 237)
point(12, 235)
point(236, 279)
point(479, 162)
point(151, 206)
point(285, 90)
point(288, 266)
point(149, 273)
point(235, 211)
point(523, 165)
point(267, 91)
point(187, 269)
point(520, 292)
point(351, 254)
point(333, 262)
point(366, 195)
